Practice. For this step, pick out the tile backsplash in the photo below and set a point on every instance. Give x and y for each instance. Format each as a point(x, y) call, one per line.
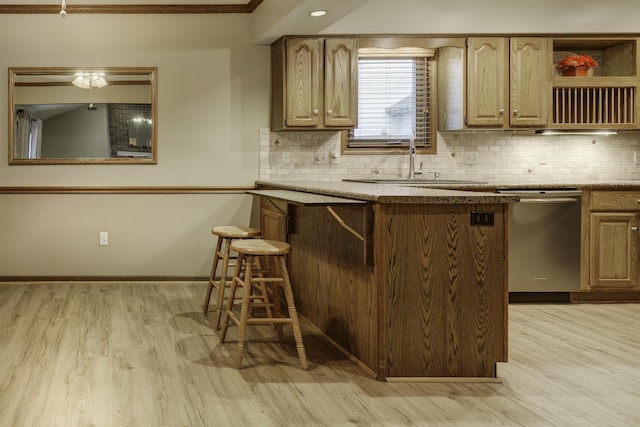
point(486, 155)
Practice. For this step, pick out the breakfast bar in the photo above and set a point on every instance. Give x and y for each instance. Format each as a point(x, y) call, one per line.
point(410, 282)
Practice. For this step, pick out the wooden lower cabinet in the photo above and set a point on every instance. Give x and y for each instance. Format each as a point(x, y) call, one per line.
point(614, 250)
point(273, 219)
point(611, 261)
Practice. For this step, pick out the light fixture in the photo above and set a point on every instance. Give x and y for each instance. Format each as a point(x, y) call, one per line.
point(603, 132)
point(316, 13)
point(63, 10)
point(90, 80)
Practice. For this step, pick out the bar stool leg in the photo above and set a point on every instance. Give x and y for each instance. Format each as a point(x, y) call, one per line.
point(263, 287)
point(244, 310)
point(277, 306)
point(293, 314)
point(214, 266)
point(232, 295)
point(222, 284)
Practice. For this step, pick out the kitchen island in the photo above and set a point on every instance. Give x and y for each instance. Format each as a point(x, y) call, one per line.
point(410, 282)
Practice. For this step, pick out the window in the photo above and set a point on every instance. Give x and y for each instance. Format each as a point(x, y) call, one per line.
point(394, 100)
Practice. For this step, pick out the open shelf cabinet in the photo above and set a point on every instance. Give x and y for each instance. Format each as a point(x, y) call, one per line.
point(607, 97)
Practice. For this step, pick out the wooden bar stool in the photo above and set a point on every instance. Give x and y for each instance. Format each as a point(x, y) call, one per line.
point(250, 251)
point(226, 234)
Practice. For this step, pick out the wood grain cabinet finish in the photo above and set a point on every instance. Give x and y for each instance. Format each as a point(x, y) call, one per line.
point(528, 81)
point(607, 97)
point(273, 220)
point(613, 252)
point(507, 81)
point(432, 304)
point(314, 83)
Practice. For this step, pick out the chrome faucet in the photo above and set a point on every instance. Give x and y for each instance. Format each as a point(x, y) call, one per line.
point(412, 157)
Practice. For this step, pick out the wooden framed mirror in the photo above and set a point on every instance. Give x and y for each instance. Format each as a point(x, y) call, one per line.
point(86, 115)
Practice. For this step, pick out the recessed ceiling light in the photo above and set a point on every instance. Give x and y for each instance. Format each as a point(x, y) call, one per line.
point(318, 13)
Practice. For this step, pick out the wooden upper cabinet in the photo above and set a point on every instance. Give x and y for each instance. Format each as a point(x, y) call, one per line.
point(340, 82)
point(507, 81)
point(486, 81)
point(314, 83)
point(607, 97)
point(303, 82)
point(528, 81)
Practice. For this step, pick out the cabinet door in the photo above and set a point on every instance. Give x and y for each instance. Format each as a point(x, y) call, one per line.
point(341, 82)
point(528, 81)
point(614, 250)
point(304, 79)
point(273, 220)
point(486, 81)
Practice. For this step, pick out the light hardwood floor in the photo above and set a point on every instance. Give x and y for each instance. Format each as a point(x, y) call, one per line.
point(143, 354)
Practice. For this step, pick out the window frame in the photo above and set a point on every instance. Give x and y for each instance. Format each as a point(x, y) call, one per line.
point(400, 46)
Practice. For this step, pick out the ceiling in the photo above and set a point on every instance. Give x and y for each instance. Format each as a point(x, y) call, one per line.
point(271, 19)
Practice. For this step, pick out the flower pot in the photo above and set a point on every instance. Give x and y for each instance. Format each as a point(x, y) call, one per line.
point(577, 71)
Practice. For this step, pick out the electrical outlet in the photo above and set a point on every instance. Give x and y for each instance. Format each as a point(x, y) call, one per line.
point(274, 158)
point(471, 158)
point(321, 158)
point(543, 158)
point(636, 157)
point(482, 218)
point(104, 238)
point(335, 157)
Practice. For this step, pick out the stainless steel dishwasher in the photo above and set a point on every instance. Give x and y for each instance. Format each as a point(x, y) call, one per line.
point(544, 240)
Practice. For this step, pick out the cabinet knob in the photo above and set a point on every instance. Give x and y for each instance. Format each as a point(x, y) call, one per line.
point(316, 112)
point(634, 228)
point(329, 112)
point(501, 111)
point(516, 112)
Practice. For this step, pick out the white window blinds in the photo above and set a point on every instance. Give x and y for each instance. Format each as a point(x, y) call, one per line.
point(394, 95)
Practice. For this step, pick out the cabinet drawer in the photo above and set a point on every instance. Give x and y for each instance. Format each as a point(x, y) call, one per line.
point(615, 200)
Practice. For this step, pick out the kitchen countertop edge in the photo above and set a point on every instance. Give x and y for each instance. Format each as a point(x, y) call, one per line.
point(393, 193)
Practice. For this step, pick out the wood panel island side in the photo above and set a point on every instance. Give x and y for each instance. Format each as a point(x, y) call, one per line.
point(411, 282)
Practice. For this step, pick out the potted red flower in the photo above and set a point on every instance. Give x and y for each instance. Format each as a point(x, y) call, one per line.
point(576, 65)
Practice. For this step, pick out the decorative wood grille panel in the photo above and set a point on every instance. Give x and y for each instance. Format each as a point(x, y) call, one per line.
point(594, 105)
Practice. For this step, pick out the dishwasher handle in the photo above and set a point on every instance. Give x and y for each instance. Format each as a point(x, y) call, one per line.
point(550, 200)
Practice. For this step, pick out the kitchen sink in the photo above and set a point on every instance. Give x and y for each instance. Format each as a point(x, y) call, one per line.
point(416, 181)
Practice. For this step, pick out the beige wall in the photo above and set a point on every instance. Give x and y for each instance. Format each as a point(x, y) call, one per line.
point(213, 91)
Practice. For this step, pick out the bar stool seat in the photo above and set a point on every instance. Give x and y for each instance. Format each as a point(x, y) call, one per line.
point(226, 234)
point(249, 253)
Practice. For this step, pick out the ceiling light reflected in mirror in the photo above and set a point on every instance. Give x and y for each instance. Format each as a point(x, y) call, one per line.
point(90, 80)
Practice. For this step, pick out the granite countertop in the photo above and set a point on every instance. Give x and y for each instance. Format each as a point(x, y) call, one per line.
point(446, 193)
point(385, 193)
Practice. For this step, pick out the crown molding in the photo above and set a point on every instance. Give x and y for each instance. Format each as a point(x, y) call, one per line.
point(130, 8)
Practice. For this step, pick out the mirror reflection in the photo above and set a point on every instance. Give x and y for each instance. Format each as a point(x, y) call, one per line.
point(67, 115)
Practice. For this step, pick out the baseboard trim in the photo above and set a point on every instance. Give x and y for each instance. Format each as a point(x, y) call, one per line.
point(605, 296)
point(543, 297)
